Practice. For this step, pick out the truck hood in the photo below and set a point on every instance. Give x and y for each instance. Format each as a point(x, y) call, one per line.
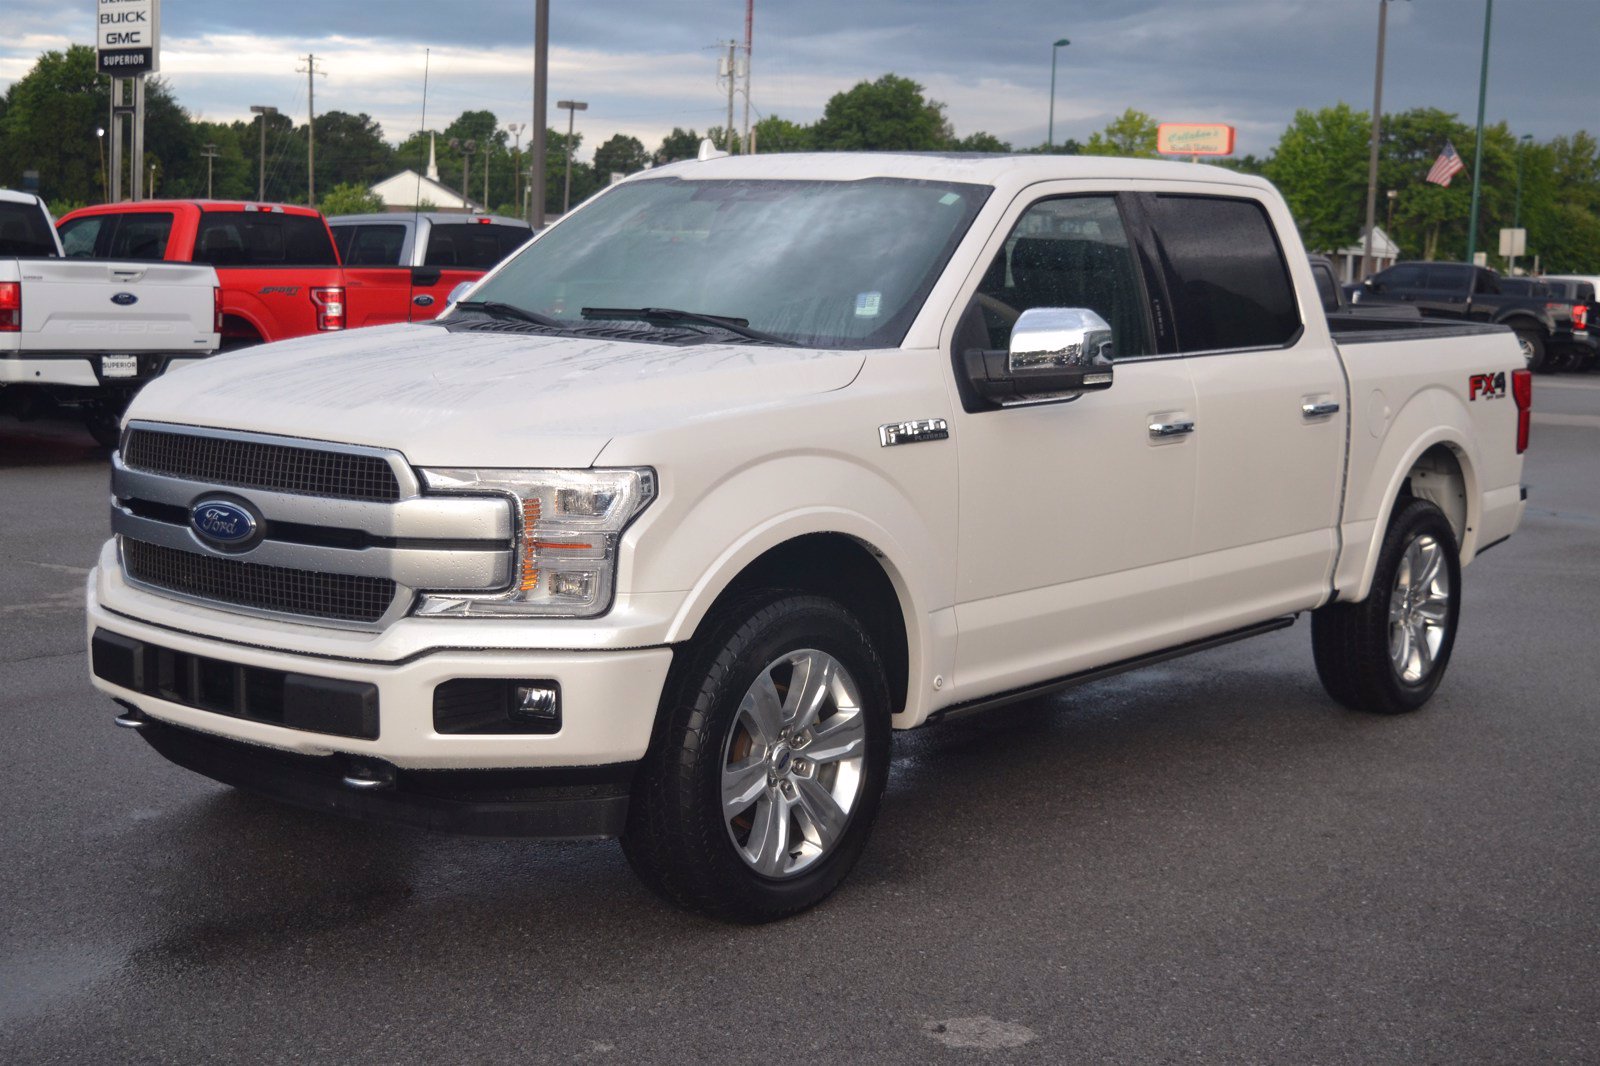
point(483, 399)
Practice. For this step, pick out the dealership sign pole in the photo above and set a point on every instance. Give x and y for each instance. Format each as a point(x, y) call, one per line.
point(127, 47)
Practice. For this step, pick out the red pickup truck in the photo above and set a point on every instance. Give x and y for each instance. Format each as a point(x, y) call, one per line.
point(279, 271)
point(402, 266)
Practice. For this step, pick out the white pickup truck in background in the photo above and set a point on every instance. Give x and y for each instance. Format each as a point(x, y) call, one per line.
point(746, 462)
point(88, 334)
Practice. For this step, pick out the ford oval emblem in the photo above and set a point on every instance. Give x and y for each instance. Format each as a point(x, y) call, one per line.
point(124, 299)
point(223, 522)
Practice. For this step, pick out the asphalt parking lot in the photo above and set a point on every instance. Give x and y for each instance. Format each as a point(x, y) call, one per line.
point(1207, 861)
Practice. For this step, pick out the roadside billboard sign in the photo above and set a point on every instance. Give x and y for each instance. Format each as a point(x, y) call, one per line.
point(1193, 138)
point(127, 37)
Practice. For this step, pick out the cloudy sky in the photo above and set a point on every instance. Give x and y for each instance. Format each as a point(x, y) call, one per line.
point(645, 66)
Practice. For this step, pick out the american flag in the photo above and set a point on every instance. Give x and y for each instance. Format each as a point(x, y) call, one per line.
point(1447, 166)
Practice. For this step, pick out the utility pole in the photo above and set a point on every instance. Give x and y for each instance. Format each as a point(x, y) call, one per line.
point(1477, 152)
point(466, 148)
point(541, 56)
point(571, 107)
point(749, 20)
point(733, 80)
point(263, 111)
point(210, 153)
point(1372, 152)
point(310, 71)
point(515, 129)
point(488, 147)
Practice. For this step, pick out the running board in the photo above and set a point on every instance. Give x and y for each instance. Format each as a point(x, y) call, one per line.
point(1099, 673)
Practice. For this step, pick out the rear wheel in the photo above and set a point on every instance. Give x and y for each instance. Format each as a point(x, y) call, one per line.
point(1533, 350)
point(103, 420)
point(1388, 653)
point(763, 781)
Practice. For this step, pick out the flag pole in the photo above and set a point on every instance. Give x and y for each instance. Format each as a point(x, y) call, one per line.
point(1477, 152)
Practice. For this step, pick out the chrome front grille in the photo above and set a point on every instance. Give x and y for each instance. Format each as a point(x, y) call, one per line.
point(343, 534)
point(255, 464)
point(275, 589)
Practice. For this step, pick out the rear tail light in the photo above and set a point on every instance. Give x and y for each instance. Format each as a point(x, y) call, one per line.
point(10, 307)
point(1580, 316)
point(1522, 392)
point(330, 306)
point(216, 308)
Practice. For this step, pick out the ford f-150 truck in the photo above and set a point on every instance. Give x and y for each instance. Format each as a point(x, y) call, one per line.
point(748, 462)
point(280, 273)
point(1545, 327)
point(87, 336)
point(402, 266)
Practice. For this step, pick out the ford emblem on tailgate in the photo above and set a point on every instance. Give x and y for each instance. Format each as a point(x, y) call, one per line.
point(223, 522)
point(124, 299)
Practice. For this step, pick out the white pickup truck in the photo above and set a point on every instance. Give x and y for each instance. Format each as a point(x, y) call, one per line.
point(666, 526)
point(88, 334)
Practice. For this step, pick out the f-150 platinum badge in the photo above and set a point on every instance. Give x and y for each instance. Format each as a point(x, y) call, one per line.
point(913, 432)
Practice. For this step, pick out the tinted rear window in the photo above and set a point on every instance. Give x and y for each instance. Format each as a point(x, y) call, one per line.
point(24, 231)
point(261, 238)
point(378, 244)
point(1452, 276)
point(142, 235)
point(474, 246)
point(1225, 273)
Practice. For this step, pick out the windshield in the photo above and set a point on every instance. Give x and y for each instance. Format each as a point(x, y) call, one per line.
point(828, 264)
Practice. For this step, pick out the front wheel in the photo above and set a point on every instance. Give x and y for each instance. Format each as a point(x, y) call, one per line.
point(1388, 653)
point(763, 780)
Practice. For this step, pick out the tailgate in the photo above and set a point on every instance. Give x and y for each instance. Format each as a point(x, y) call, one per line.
point(91, 305)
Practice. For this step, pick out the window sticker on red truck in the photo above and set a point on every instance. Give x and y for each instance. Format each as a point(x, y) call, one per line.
point(1487, 386)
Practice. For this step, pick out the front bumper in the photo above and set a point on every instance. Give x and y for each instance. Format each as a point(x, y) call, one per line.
point(609, 698)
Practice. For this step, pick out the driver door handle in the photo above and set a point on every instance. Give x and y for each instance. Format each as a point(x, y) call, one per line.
point(1170, 429)
point(1319, 410)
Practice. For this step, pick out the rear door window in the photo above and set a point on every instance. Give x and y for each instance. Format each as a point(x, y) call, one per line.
point(140, 235)
point(376, 244)
point(1226, 273)
point(24, 231)
point(1448, 277)
point(1401, 278)
point(262, 238)
point(473, 245)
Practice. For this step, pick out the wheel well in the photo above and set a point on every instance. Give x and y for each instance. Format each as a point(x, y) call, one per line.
point(844, 569)
point(1437, 476)
point(237, 332)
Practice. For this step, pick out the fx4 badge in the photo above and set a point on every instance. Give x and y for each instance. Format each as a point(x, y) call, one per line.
point(1486, 386)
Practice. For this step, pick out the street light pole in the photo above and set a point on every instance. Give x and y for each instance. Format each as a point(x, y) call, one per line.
point(105, 175)
point(1477, 152)
point(1050, 132)
point(572, 107)
point(541, 56)
point(1516, 211)
point(261, 184)
point(515, 129)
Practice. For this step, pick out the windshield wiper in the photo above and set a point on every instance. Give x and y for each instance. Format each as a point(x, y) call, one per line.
point(653, 315)
point(496, 309)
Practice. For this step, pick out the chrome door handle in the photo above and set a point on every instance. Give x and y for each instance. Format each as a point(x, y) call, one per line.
point(1318, 410)
point(1170, 429)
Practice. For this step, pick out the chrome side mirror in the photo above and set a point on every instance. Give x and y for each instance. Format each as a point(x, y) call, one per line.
point(458, 292)
point(1055, 353)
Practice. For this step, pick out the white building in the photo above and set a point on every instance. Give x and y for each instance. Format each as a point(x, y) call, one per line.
point(1384, 255)
point(407, 189)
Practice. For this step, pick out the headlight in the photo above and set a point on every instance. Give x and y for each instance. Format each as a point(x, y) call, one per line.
point(568, 525)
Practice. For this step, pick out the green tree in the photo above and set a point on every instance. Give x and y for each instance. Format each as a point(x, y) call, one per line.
point(889, 114)
point(774, 134)
point(1133, 133)
point(1320, 166)
point(980, 142)
point(620, 155)
point(351, 150)
point(350, 198)
point(679, 144)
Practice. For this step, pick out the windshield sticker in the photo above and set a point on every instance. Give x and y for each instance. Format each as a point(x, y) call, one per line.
point(867, 304)
point(950, 198)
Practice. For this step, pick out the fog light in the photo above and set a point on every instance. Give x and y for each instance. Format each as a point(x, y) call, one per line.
point(536, 703)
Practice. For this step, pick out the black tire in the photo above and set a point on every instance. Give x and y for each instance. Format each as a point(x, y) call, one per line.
point(677, 838)
point(104, 423)
point(1351, 641)
point(1533, 349)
